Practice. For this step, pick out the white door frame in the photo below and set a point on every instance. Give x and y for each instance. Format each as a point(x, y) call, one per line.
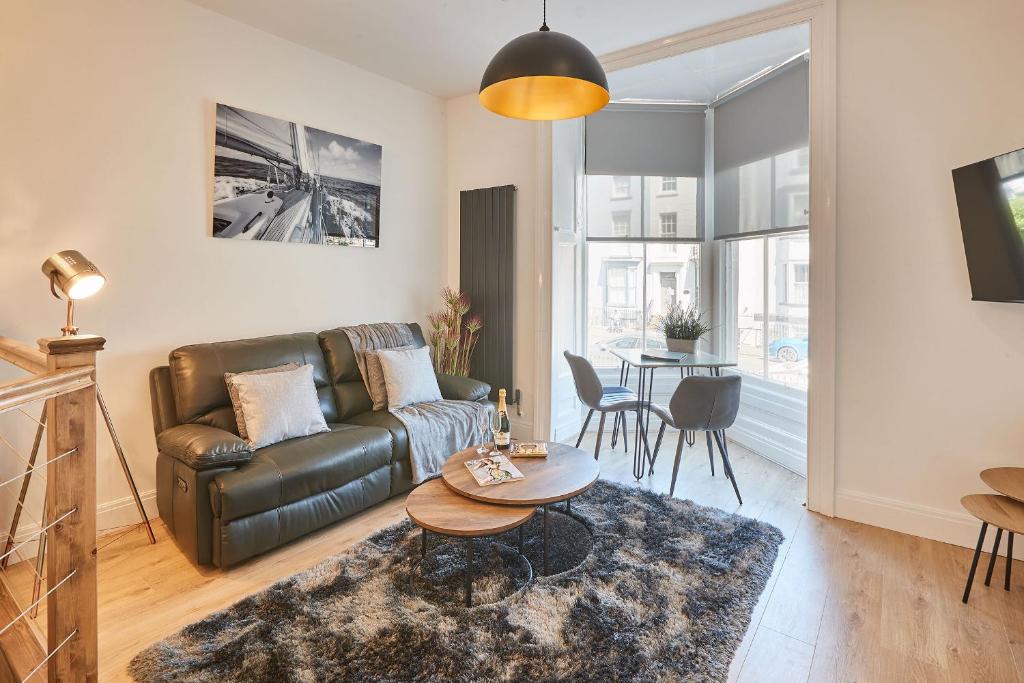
point(820, 15)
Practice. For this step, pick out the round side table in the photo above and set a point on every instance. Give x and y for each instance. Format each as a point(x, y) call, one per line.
point(433, 506)
point(1002, 512)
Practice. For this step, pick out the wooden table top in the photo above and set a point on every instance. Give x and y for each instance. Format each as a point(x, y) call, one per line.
point(435, 507)
point(1009, 481)
point(565, 473)
point(1002, 511)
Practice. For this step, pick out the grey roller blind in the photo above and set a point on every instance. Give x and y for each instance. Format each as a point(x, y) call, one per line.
point(645, 143)
point(761, 156)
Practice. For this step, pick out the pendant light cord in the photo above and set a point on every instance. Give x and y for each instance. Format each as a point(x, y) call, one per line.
point(544, 20)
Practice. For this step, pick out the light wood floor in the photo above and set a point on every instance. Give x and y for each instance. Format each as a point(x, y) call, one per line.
point(846, 601)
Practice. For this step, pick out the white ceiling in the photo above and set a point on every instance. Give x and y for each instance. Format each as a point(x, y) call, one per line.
point(443, 46)
point(701, 75)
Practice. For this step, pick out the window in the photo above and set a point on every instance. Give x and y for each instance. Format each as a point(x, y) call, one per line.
point(620, 224)
point(621, 284)
point(797, 283)
point(643, 211)
point(766, 194)
point(767, 284)
point(668, 184)
point(620, 186)
point(668, 224)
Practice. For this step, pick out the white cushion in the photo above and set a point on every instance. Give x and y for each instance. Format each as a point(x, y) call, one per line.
point(409, 376)
point(277, 406)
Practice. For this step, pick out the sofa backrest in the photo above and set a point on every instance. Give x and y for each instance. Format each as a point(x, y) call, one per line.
point(197, 374)
point(350, 394)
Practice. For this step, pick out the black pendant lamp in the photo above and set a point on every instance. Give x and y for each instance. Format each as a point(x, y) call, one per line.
point(544, 76)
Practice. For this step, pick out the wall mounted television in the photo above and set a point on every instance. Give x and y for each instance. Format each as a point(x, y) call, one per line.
point(990, 200)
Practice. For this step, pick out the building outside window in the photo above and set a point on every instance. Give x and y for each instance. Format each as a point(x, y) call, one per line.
point(668, 223)
point(668, 184)
point(797, 283)
point(620, 186)
point(620, 223)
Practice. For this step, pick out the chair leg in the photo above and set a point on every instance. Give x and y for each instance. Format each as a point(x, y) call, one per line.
point(657, 442)
point(675, 467)
point(974, 562)
point(615, 430)
point(992, 557)
point(583, 431)
point(1009, 560)
point(711, 453)
point(726, 464)
point(625, 435)
point(600, 433)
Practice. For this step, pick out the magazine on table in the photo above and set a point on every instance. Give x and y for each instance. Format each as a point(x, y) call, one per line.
point(529, 449)
point(494, 469)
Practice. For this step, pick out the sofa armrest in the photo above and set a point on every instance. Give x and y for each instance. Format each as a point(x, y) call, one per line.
point(202, 447)
point(456, 388)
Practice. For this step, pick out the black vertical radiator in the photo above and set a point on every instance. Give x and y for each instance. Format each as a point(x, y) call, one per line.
point(487, 274)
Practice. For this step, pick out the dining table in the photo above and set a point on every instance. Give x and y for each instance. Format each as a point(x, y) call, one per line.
point(646, 362)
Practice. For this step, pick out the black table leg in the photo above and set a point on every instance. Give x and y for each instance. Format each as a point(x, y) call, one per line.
point(567, 509)
point(423, 548)
point(974, 562)
point(992, 557)
point(638, 465)
point(545, 540)
point(469, 572)
point(1009, 560)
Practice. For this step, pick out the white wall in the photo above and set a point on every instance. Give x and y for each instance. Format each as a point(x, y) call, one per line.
point(487, 150)
point(107, 113)
point(929, 381)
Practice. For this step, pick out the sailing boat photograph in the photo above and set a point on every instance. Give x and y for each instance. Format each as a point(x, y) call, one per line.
point(280, 181)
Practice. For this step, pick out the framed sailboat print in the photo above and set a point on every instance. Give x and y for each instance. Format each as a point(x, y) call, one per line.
point(279, 181)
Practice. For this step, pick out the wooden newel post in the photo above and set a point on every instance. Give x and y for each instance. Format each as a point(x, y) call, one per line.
point(71, 544)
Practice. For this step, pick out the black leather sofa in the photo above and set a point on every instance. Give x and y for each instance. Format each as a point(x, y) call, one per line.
point(224, 502)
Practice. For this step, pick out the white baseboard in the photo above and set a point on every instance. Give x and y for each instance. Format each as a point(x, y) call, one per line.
point(756, 440)
point(937, 524)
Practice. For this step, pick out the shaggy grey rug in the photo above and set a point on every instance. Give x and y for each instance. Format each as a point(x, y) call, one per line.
point(647, 589)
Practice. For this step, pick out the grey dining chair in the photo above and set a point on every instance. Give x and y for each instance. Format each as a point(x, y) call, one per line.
point(701, 404)
point(601, 399)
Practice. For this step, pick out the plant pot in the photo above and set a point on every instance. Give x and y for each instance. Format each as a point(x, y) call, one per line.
point(681, 345)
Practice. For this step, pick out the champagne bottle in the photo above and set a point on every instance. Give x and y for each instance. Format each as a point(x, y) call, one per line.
point(503, 437)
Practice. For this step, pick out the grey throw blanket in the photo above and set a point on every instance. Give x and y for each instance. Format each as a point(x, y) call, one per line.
point(376, 336)
point(437, 429)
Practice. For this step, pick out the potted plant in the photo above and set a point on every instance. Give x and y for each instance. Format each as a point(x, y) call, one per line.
point(683, 327)
point(453, 334)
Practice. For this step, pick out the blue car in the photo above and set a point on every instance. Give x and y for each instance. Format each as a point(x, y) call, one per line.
point(789, 349)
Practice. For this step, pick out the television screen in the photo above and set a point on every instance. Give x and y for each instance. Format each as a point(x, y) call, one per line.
point(990, 199)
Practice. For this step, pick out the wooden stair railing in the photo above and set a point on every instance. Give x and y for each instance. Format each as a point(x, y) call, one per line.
point(64, 376)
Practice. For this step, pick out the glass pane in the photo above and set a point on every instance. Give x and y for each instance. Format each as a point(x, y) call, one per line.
point(673, 276)
point(614, 300)
point(792, 189)
point(671, 207)
point(613, 206)
point(748, 279)
point(789, 285)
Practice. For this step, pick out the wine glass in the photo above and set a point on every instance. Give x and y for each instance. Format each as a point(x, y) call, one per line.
point(495, 428)
point(484, 424)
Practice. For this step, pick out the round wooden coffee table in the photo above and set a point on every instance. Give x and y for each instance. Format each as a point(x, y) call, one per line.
point(564, 474)
point(1008, 481)
point(433, 506)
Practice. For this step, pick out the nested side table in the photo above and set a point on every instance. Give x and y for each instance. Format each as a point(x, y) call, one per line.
point(433, 506)
point(1002, 512)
